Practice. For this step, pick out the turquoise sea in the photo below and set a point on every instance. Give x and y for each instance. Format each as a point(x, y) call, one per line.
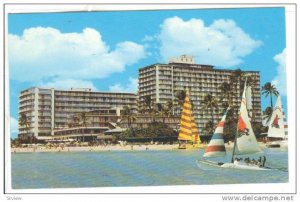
point(133, 168)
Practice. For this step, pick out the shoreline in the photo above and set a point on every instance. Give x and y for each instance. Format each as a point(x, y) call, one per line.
point(108, 148)
point(94, 148)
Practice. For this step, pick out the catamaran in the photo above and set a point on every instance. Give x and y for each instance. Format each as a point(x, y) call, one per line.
point(188, 136)
point(277, 127)
point(245, 143)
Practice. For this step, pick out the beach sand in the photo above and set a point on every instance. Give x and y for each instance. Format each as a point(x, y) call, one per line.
point(109, 148)
point(95, 148)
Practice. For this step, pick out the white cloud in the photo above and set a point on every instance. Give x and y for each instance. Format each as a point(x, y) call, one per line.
point(131, 87)
point(14, 125)
point(44, 52)
point(223, 43)
point(148, 38)
point(280, 79)
point(67, 84)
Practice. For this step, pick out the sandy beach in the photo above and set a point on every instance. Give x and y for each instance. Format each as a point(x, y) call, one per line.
point(95, 148)
point(107, 148)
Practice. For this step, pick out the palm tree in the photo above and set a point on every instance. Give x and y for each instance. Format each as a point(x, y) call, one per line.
point(163, 110)
point(226, 92)
point(25, 121)
point(208, 128)
point(180, 97)
point(231, 123)
point(238, 78)
point(84, 121)
point(15, 142)
point(148, 107)
point(267, 114)
point(74, 121)
point(128, 115)
point(269, 90)
point(210, 102)
point(169, 108)
point(83, 118)
point(148, 103)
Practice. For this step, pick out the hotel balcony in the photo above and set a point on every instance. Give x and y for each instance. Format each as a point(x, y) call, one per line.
point(28, 98)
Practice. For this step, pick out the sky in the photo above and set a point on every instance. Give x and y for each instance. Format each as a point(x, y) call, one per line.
point(104, 50)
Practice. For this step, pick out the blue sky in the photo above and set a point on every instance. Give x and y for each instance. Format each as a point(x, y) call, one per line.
point(104, 50)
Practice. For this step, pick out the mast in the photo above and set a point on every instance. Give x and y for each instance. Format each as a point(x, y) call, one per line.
point(237, 128)
point(234, 146)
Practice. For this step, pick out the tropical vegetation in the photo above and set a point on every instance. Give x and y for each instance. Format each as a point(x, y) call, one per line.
point(269, 90)
point(28, 137)
point(267, 114)
point(128, 115)
point(154, 130)
point(83, 119)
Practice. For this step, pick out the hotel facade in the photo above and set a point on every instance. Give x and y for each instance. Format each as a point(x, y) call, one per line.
point(162, 81)
point(48, 109)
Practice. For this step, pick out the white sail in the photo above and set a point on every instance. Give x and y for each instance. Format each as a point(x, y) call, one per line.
point(276, 124)
point(246, 141)
point(249, 101)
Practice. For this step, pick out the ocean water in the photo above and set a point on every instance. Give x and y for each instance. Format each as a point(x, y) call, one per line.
point(134, 168)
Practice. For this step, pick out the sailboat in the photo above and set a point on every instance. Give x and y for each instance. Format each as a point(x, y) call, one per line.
point(216, 146)
point(277, 127)
point(188, 136)
point(245, 143)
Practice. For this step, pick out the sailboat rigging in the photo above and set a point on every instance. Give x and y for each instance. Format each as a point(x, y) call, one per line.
point(245, 142)
point(277, 129)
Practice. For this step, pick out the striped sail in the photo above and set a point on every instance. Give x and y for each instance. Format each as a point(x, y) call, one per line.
point(195, 134)
point(246, 142)
point(216, 147)
point(276, 124)
point(188, 129)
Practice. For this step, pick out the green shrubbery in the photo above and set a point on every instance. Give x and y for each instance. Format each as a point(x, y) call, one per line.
point(155, 129)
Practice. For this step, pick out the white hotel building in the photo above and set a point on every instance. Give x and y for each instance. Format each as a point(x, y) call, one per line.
point(49, 109)
point(162, 81)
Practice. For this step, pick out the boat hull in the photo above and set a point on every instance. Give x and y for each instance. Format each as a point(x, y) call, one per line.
point(229, 165)
point(278, 144)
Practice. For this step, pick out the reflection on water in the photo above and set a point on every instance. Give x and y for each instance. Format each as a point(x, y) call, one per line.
point(133, 168)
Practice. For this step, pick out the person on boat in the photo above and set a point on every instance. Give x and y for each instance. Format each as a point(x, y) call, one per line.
point(253, 162)
point(260, 161)
point(247, 160)
point(264, 161)
point(237, 161)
